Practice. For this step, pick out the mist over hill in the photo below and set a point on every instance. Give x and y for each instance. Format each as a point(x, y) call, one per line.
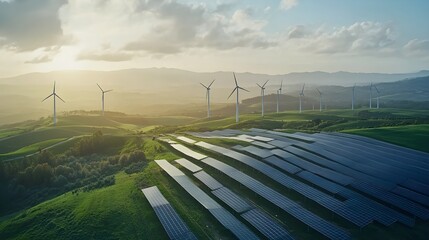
point(164, 91)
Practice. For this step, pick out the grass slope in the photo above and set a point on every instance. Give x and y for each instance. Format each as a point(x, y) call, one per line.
point(412, 136)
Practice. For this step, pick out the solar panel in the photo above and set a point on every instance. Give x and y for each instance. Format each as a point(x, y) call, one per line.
point(314, 168)
point(289, 135)
point(222, 215)
point(262, 153)
point(263, 145)
point(175, 227)
point(232, 200)
point(321, 182)
point(416, 197)
point(266, 225)
point(188, 152)
point(260, 138)
point(358, 218)
point(393, 199)
point(290, 168)
point(186, 139)
point(188, 165)
point(416, 186)
point(237, 147)
point(320, 225)
point(208, 180)
point(279, 144)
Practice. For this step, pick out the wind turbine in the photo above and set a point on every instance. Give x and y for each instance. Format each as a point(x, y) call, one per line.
point(262, 94)
point(353, 97)
point(301, 95)
point(378, 97)
point(370, 96)
point(55, 104)
point(279, 91)
point(237, 112)
point(320, 99)
point(208, 97)
point(102, 98)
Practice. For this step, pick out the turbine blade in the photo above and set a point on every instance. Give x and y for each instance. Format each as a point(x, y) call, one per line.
point(318, 91)
point(108, 90)
point(232, 92)
point(53, 91)
point(302, 90)
point(212, 83)
point(281, 84)
point(376, 89)
point(59, 97)
point(203, 85)
point(47, 97)
point(265, 83)
point(243, 89)
point(100, 87)
point(235, 79)
point(259, 85)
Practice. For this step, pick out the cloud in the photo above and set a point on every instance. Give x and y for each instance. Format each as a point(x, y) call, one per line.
point(417, 47)
point(105, 56)
point(161, 27)
point(26, 25)
point(288, 4)
point(360, 37)
point(40, 59)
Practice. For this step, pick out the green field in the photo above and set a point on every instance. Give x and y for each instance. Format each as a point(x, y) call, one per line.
point(412, 136)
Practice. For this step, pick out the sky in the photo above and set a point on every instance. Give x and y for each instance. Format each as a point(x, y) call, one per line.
point(273, 36)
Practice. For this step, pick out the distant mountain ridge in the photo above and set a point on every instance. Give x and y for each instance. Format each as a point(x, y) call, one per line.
point(155, 91)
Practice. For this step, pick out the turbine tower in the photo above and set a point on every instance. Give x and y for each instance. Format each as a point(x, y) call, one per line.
point(370, 96)
point(279, 91)
point(320, 99)
point(237, 111)
point(301, 95)
point(378, 97)
point(55, 104)
point(262, 94)
point(102, 98)
point(353, 97)
point(208, 97)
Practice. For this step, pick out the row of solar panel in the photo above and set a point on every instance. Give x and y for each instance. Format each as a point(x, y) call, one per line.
point(175, 227)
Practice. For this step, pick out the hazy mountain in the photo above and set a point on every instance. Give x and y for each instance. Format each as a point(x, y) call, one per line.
point(161, 91)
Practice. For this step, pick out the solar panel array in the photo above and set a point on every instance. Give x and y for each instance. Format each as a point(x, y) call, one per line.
point(386, 182)
point(221, 214)
point(208, 180)
point(186, 139)
point(320, 225)
point(175, 227)
point(358, 218)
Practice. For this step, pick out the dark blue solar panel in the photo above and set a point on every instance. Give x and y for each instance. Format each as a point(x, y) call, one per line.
point(416, 197)
point(290, 168)
point(175, 227)
point(232, 200)
point(266, 225)
point(393, 199)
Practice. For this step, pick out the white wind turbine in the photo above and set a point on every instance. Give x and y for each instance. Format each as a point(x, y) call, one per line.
point(301, 95)
point(55, 104)
point(208, 97)
point(320, 99)
point(279, 91)
point(370, 96)
point(237, 112)
point(353, 97)
point(102, 98)
point(262, 95)
point(378, 97)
